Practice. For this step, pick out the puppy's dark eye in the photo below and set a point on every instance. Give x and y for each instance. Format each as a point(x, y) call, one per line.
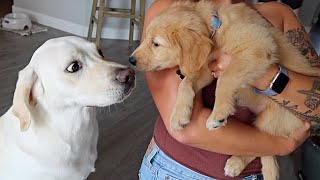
point(155, 44)
point(100, 52)
point(74, 67)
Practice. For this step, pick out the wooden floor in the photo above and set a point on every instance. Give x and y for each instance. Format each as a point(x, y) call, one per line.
point(125, 128)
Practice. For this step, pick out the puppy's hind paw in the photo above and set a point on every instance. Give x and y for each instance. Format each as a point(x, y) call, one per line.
point(234, 166)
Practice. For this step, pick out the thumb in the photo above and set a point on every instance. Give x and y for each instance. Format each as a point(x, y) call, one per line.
point(306, 125)
point(224, 62)
point(213, 66)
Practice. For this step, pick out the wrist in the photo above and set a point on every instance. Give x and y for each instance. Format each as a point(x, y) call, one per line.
point(277, 84)
point(264, 81)
point(284, 146)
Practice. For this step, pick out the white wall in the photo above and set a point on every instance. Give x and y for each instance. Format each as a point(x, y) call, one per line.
point(73, 16)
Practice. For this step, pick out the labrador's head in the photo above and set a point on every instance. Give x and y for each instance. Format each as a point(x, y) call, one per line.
point(70, 71)
point(178, 36)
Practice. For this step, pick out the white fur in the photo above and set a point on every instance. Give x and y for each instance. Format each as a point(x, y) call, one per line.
point(61, 141)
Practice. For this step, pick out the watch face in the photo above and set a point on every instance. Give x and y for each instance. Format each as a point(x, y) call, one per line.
point(280, 83)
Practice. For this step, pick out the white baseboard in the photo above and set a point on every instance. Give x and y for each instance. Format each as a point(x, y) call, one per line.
point(77, 29)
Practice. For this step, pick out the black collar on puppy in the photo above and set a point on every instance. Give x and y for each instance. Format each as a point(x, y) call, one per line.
point(178, 72)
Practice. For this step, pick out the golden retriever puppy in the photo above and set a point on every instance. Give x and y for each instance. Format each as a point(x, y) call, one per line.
point(181, 36)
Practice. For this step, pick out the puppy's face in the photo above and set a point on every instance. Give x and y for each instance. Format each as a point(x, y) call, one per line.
point(71, 71)
point(177, 37)
point(159, 50)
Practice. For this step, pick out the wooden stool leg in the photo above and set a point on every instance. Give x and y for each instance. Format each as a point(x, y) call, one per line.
point(100, 22)
point(91, 23)
point(142, 14)
point(133, 14)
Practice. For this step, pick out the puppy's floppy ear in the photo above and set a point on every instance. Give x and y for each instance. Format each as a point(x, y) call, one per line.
point(205, 8)
point(23, 99)
point(194, 49)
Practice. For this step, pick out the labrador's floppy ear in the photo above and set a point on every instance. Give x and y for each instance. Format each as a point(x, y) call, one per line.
point(194, 49)
point(23, 99)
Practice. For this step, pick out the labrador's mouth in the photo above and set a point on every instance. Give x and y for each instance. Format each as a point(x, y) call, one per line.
point(124, 92)
point(127, 90)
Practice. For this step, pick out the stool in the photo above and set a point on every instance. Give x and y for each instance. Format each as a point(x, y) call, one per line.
point(115, 12)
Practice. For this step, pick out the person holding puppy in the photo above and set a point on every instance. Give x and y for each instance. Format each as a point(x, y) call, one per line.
point(197, 153)
point(295, 5)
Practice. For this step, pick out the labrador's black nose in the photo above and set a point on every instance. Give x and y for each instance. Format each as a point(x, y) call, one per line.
point(133, 60)
point(125, 76)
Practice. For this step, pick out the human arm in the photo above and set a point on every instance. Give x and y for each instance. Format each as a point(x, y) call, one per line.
point(235, 138)
point(300, 95)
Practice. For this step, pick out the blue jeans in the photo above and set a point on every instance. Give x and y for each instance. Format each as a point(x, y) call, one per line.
point(158, 166)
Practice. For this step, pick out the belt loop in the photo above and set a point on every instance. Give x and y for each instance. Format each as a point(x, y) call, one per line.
point(154, 150)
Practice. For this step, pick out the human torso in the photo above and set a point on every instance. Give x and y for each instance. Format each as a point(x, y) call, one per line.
point(205, 162)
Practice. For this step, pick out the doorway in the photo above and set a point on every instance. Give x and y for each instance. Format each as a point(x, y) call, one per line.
point(5, 7)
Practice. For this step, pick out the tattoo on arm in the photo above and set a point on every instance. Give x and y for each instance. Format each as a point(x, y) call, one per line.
point(312, 102)
point(312, 97)
point(302, 115)
point(298, 39)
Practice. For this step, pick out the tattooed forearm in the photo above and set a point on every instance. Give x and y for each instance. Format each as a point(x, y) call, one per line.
point(312, 95)
point(302, 115)
point(298, 39)
point(312, 102)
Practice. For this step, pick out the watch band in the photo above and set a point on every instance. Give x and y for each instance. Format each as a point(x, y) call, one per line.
point(270, 91)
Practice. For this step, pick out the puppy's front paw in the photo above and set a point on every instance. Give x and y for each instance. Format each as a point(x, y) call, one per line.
point(219, 116)
point(234, 166)
point(215, 124)
point(180, 118)
point(177, 125)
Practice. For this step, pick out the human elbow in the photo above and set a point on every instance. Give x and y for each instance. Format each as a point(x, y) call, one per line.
point(183, 137)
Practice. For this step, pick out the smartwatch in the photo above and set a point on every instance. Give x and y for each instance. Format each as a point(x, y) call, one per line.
point(278, 83)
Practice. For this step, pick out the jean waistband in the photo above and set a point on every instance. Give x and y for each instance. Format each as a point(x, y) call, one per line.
point(154, 153)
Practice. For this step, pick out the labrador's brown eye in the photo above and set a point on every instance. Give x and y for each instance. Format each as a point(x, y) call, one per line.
point(74, 67)
point(100, 52)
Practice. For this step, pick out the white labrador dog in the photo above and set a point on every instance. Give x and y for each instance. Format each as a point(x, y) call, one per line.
point(51, 131)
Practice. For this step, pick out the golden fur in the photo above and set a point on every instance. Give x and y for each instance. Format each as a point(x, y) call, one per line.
point(180, 36)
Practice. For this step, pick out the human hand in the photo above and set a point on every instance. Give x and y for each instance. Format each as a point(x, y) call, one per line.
point(298, 137)
point(219, 63)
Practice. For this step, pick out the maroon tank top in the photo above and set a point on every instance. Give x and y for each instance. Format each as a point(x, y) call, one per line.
point(202, 161)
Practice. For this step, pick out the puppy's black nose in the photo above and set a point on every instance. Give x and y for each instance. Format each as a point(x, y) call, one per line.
point(125, 76)
point(133, 60)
